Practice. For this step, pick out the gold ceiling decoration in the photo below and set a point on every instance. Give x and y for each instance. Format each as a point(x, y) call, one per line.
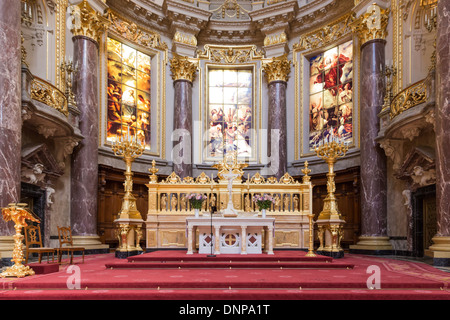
point(87, 22)
point(182, 68)
point(327, 34)
point(278, 69)
point(133, 33)
point(229, 54)
point(372, 24)
point(230, 9)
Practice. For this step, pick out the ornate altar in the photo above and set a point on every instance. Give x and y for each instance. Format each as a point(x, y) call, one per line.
point(168, 207)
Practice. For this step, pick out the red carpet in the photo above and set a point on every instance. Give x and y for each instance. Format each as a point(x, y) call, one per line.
point(173, 275)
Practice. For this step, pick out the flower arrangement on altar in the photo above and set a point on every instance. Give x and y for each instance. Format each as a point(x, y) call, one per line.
point(263, 201)
point(196, 200)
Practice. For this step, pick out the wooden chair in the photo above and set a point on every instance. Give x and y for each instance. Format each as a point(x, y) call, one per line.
point(66, 244)
point(33, 238)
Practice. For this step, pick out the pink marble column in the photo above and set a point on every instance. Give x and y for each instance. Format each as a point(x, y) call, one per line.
point(443, 119)
point(84, 178)
point(10, 107)
point(277, 128)
point(182, 124)
point(374, 238)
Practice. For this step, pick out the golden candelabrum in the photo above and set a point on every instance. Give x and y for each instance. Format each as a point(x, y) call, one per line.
point(18, 213)
point(306, 178)
point(69, 69)
point(129, 148)
point(331, 151)
point(330, 222)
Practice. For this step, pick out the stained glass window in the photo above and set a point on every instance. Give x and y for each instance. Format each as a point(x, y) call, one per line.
point(128, 93)
point(330, 94)
point(230, 111)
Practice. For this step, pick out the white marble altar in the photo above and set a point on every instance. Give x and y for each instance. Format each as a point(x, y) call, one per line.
point(238, 235)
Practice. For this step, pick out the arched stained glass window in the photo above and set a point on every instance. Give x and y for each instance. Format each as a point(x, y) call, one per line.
point(128, 93)
point(230, 112)
point(331, 94)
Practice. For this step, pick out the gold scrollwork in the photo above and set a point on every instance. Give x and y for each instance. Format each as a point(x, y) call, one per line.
point(229, 54)
point(326, 35)
point(412, 96)
point(278, 69)
point(46, 93)
point(131, 32)
point(182, 68)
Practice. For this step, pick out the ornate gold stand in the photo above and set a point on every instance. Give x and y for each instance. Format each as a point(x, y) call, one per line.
point(18, 213)
point(129, 221)
point(330, 221)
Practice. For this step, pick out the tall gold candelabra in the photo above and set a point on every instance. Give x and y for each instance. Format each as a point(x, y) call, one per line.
point(18, 213)
point(330, 151)
point(128, 148)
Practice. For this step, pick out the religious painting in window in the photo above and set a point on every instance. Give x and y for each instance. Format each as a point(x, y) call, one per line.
point(128, 93)
point(330, 95)
point(230, 112)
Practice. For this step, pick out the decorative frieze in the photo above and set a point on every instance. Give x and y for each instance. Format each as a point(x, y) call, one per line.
point(229, 54)
point(328, 34)
point(131, 32)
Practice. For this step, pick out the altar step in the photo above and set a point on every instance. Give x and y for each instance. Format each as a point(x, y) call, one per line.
point(180, 260)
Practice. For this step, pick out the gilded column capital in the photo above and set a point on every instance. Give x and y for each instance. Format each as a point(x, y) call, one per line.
point(87, 22)
point(182, 68)
point(278, 69)
point(372, 24)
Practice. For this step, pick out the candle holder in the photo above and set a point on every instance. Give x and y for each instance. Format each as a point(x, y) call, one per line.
point(330, 222)
point(18, 213)
point(331, 151)
point(129, 149)
point(69, 69)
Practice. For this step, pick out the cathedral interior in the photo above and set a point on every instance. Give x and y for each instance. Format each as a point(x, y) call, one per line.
point(157, 93)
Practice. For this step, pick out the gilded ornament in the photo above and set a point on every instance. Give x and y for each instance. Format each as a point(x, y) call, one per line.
point(128, 148)
point(229, 54)
point(153, 170)
point(372, 24)
point(87, 22)
point(182, 68)
point(275, 39)
point(18, 213)
point(278, 69)
point(328, 34)
point(188, 39)
point(130, 31)
point(306, 178)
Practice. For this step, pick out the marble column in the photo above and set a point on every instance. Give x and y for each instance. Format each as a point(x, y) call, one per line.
point(85, 156)
point(88, 26)
point(440, 250)
point(10, 115)
point(183, 75)
point(277, 144)
point(373, 239)
point(277, 73)
point(182, 122)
